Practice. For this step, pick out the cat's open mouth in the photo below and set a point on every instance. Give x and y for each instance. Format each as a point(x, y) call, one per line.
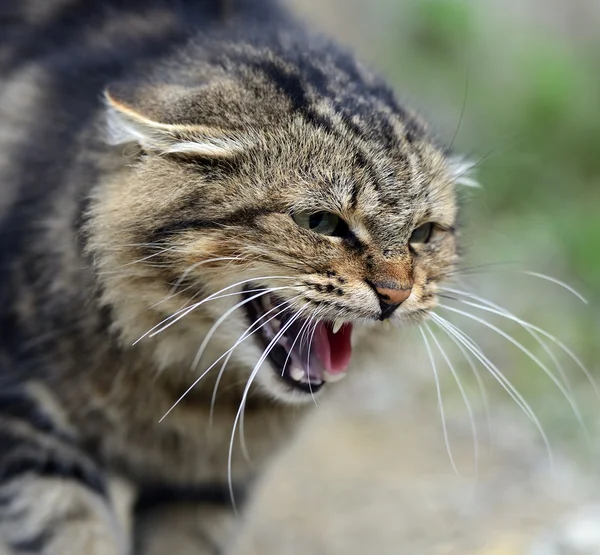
point(307, 354)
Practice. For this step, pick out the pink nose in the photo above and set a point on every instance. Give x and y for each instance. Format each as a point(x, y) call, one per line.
point(392, 295)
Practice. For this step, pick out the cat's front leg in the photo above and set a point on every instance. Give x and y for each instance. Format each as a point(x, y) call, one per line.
point(54, 499)
point(56, 516)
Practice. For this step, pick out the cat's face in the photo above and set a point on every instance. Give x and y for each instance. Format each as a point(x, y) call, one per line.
point(309, 229)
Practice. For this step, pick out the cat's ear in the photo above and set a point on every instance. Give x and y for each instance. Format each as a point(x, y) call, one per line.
point(126, 124)
point(462, 171)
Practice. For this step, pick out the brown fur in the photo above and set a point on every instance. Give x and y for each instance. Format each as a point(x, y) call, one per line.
point(213, 147)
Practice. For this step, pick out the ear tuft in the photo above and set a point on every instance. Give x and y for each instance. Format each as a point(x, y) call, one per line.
point(462, 172)
point(122, 125)
point(126, 125)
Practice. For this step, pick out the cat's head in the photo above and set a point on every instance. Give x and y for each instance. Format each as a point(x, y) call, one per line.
point(297, 191)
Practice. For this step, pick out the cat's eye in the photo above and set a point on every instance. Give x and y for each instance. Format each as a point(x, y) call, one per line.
point(324, 223)
point(422, 234)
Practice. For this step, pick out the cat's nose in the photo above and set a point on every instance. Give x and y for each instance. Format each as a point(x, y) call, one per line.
point(391, 296)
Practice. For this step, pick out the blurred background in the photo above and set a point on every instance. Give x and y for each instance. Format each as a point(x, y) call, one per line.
point(515, 86)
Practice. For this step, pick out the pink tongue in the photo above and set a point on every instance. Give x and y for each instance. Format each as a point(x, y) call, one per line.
point(333, 350)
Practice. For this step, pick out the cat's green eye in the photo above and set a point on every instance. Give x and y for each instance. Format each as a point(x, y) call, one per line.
point(422, 234)
point(324, 223)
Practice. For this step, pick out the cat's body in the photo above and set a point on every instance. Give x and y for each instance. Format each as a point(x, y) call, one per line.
point(214, 143)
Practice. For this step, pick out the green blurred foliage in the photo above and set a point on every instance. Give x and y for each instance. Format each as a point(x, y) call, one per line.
point(532, 101)
point(530, 104)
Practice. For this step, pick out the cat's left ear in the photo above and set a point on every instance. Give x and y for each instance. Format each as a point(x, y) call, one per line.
point(128, 124)
point(462, 171)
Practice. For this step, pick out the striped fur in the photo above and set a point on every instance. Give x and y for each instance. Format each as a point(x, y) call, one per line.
point(139, 141)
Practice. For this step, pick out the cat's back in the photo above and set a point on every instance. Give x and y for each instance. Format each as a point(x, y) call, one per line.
point(57, 56)
point(56, 59)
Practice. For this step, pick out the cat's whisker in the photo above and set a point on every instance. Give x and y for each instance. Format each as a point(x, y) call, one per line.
point(267, 256)
point(464, 396)
point(476, 373)
point(150, 256)
point(440, 401)
point(121, 272)
point(304, 335)
point(475, 268)
point(242, 338)
point(506, 384)
point(501, 311)
point(495, 150)
point(568, 397)
point(225, 315)
point(245, 397)
point(556, 282)
point(187, 272)
point(300, 334)
point(173, 318)
point(244, 448)
point(230, 350)
point(127, 246)
point(313, 318)
point(471, 271)
point(171, 296)
point(448, 297)
point(535, 331)
point(185, 308)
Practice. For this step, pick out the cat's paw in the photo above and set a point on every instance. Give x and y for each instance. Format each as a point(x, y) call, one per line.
point(577, 535)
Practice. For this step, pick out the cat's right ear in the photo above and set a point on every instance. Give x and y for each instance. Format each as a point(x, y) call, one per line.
point(126, 124)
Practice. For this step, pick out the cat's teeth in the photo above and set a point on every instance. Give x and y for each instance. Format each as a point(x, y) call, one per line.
point(337, 325)
point(331, 378)
point(296, 374)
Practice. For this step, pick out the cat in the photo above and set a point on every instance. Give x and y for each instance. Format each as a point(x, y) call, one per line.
point(208, 212)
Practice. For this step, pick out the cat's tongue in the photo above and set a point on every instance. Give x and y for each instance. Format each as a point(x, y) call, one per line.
point(333, 349)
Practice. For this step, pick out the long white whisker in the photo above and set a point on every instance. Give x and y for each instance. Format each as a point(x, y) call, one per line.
point(162, 251)
point(313, 318)
point(480, 384)
point(304, 325)
point(533, 330)
point(304, 337)
point(440, 401)
point(534, 358)
point(211, 367)
point(243, 445)
point(184, 307)
point(242, 337)
point(556, 282)
point(225, 315)
point(187, 309)
point(244, 398)
point(506, 384)
point(566, 286)
point(196, 265)
point(170, 296)
point(464, 396)
point(501, 311)
point(184, 312)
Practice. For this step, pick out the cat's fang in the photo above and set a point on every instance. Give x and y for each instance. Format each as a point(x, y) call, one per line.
point(303, 361)
point(297, 374)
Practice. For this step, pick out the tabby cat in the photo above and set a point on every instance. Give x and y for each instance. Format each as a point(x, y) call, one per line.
point(205, 209)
